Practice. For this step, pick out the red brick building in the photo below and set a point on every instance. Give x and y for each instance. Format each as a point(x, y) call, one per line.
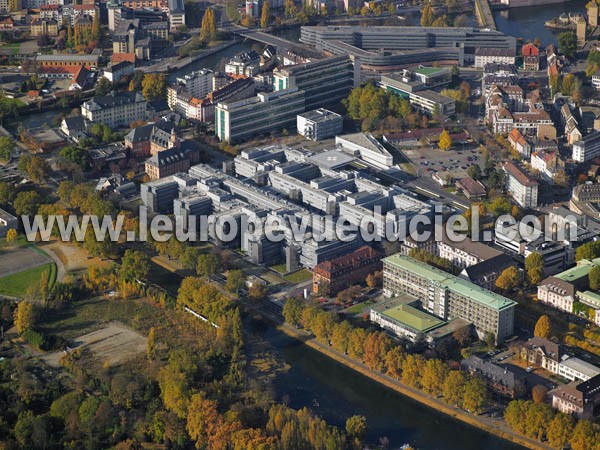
point(330, 277)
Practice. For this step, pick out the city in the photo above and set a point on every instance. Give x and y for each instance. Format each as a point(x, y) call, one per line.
point(284, 225)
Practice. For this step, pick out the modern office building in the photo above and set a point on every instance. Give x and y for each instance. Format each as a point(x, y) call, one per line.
point(521, 186)
point(367, 147)
point(158, 196)
point(414, 87)
point(587, 148)
point(115, 110)
point(267, 112)
point(319, 124)
point(325, 82)
point(414, 45)
point(449, 297)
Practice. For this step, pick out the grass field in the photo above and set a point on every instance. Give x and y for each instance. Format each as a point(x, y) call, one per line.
point(358, 308)
point(299, 277)
point(281, 268)
point(16, 285)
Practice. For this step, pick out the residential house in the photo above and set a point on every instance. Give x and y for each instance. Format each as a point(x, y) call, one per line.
point(580, 399)
point(518, 142)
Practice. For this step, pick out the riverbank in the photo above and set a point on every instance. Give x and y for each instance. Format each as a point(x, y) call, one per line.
point(495, 427)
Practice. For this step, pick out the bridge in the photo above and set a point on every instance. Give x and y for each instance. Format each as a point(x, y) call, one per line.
point(269, 39)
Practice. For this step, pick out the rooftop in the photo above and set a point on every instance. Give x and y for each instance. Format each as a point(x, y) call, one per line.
point(581, 366)
point(407, 315)
point(451, 282)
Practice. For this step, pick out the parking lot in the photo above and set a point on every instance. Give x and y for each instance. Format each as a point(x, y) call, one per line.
point(428, 160)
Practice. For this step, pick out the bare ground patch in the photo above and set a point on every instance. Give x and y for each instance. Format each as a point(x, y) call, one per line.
point(112, 345)
point(74, 258)
point(18, 259)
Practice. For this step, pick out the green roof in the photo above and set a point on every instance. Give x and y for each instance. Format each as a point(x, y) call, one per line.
point(428, 71)
point(413, 318)
point(451, 282)
point(581, 270)
point(589, 298)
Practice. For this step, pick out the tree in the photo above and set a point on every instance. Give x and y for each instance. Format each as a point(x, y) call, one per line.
point(24, 317)
point(103, 86)
point(560, 430)
point(208, 265)
point(537, 419)
point(567, 43)
point(508, 279)
point(594, 277)
point(543, 327)
point(356, 427)
point(7, 193)
point(433, 376)
point(427, 15)
point(534, 261)
point(76, 155)
point(499, 206)
point(208, 29)
point(151, 345)
point(129, 444)
point(265, 15)
point(341, 335)
point(27, 203)
point(11, 235)
point(154, 86)
point(257, 292)
point(35, 167)
point(474, 395)
point(292, 311)
point(135, 265)
point(538, 393)
point(7, 148)
point(290, 9)
point(235, 280)
point(584, 436)
point(453, 388)
point(474, 171)
point(445, 140)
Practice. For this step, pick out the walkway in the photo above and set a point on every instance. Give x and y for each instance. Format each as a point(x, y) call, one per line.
point(484, 14)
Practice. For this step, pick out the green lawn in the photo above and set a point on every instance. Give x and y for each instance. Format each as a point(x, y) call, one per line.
point(299, 277)
point(281, 268)
point(358, 308)
point(16, 285)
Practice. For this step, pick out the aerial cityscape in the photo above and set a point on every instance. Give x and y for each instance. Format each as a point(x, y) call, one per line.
point(285, 225)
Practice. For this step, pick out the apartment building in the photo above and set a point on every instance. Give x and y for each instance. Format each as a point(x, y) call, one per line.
point(267, 112)
point(449, 297)
point(115, 110)
point(325, 82)
point(464, 253)
point(521, 186)
point(502, 379)
point(245, 64)
point(117, 72)
point(319, 124)
point(198, 84)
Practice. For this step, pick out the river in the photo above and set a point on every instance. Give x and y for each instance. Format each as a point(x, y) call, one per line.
point(336, 392)
point(528, 23)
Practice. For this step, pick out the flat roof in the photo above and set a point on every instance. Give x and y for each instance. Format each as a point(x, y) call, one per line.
point(428, 71)
point(581, 270)
point(589, 298)
point(413, 318)
point(451, 282)
point(581, 366)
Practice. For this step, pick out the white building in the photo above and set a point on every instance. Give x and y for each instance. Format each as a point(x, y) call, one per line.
point(319, 124)
point(521, 186)
point(485, 56)
point(198, 83)
point(7, 222)
point(587, 148)
point(118, 71)
point(577, 369)
point(557, 293)
point(367, 147)
point(115, 110)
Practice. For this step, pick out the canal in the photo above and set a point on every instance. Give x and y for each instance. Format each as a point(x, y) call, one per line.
point(528, 23)
point(336, 392)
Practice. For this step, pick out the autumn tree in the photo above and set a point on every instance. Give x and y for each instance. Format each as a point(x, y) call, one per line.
point(24, 317)
point(208, 29)
point(537, 419)
point(412, 368)
point(154, 86)
point(208, 265)
point(445, 142)
point(265, 15)
point(427, 15)
point(35, 167)
point(11, 235)
point(434, 373)
point(538, 393)
point(560, 430)
point(356, 343)
point(341, 335)
point(175, 382)
point(509, 279)
point(135, 265)
point(543, 327)
point(151, 345)
point(356, 427)
point(235, 280)
point(453, 388)
point(292, 311)
point(474, 395)
point(257, 292)
point(584, 436)
point(376, 347)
